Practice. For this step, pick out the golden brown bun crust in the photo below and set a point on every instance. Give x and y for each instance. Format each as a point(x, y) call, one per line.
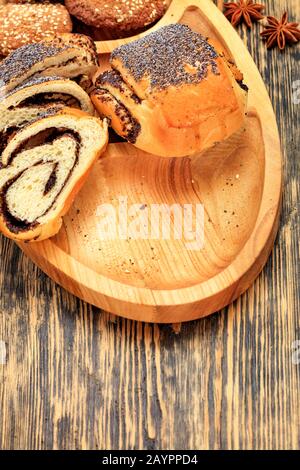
point(26, 24)
point(54, 88)
point(184, 98)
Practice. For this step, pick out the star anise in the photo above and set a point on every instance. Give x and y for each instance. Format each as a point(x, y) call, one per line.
point(243, 10)
point(279, 32)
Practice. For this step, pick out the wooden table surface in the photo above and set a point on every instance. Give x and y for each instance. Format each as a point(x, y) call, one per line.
point(74, 377)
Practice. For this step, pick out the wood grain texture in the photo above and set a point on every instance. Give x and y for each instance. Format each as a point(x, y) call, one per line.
point(76, 377)
point(238, 182)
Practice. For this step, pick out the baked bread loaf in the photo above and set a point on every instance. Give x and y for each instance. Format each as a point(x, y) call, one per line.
point(32, 99)
point(43, 167)
point(171, 93)
point(67, 55)
point(25, 24)
point(116, 15)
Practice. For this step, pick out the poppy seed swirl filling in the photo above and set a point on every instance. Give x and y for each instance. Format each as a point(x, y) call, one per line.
point(114, 79)
point(42, 91)
point(37, 113)
point(130, 125)
point(43, 171)
point(44, 98)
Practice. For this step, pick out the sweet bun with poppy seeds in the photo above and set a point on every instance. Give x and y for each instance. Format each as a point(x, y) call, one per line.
point(171, 93)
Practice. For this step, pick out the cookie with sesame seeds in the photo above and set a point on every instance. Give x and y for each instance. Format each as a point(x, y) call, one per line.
point(26, 24)
point(118, 15)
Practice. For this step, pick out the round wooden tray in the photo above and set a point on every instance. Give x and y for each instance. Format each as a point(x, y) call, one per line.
point(238, 182)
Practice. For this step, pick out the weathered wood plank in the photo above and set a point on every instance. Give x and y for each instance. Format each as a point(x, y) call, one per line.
point(79, 378)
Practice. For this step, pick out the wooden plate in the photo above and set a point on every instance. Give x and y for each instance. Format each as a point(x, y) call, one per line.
point(239, 184)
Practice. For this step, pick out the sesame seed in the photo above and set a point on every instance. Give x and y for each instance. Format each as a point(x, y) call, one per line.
point(121, 14)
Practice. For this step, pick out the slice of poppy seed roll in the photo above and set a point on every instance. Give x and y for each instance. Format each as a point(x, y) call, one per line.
point(68, 55)
point(43, 167)
point(43, 90)
point(34, 98)
point(28, 101)
point(171, 93)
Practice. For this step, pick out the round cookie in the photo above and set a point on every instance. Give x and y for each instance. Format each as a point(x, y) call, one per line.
point(118, 15)
point(28, 23)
